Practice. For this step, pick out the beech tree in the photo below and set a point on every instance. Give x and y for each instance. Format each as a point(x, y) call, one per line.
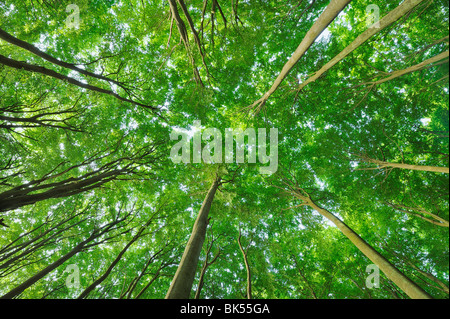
point(184, 277)
point(89, 101)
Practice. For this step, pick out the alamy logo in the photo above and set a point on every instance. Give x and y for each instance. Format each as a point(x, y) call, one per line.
point(73, 279)
point(73, 20)
point(373, 16)
point(213, 153)
point(373, 280)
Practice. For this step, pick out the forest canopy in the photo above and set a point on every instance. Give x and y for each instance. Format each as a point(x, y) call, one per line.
point(346, 102)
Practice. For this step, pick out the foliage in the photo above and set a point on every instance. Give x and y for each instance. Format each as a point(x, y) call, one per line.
point(323, 131)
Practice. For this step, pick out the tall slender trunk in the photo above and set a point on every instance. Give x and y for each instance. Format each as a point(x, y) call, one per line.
point(201, 280)
point(128, 293)
point(424, 168)
point(403, 282)
point(48, 72)
point(247, 267)
point(156, 276)
point(97, 282)
point(184, 277)
point(417, 211)
point(31, 281)
point(10, 200)
point(13, 260)
point(329, 14)
point(417, 67)
point(387, 20)
point(442, 286)
point(29, 246)
point(78, 248)
point(206, 264)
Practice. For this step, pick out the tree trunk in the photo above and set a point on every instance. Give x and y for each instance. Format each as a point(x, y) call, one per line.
point(184, 37)
point(43, 189)
point(435, 219)
point(387, 20)
point(83, 245)
point(181, 285)
point(48, 72)
point(247, 267)
point(403, 282)
point(31, 281)
point(128, 293)
point(10, 200)
point(156, 276)
point(442, 286)
point(383, 164)
point(206, 264)
point(330, 13)
point(32, 246)
point(10, 250)
point(31, 48)
point(435, 169)
point(97, 282)
point(413, 68)
point(201, 281)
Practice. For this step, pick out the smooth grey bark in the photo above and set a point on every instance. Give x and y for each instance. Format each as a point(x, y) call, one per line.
point(105, 275)
point(31, 281)
point(425, 168)
point(201, 281)
point(78, 248)
point(19, 65)
point(247, 267)
point(31, 48)
point(329, 14)
point(417, 67)
point(391, 272)
point(386, 21)
point(181, 285)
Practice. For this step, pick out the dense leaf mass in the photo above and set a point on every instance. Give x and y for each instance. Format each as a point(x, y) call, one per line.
point(92, 206)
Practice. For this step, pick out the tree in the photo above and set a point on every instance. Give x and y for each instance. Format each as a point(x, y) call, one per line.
point(357, 91)
point(88, 242)
point(207, 263)
point(247, 265)
point(184, 277)
point(409, 287)
point(20, 196)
